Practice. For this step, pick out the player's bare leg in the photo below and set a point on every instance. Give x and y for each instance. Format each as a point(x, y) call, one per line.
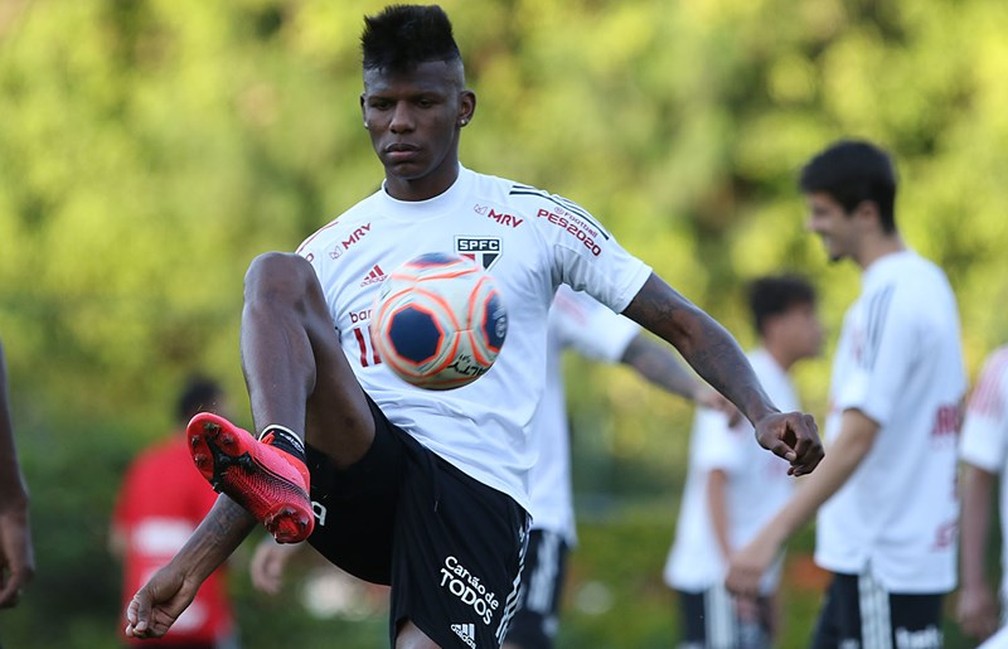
point(300, 385)
point(295, 370)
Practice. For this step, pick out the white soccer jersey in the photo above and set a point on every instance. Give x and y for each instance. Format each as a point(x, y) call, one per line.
point(899, 361)
point(758, 486)
point(984, 440)
point(531, 242)
point(575, 321)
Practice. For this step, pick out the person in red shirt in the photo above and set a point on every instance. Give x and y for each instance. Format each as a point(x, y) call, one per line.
point(161, 501)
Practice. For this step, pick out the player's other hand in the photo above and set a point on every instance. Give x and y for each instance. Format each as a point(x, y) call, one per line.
point(268, 564)
point(977, 611)
point(747, 565)
point(793, 436)
point(157, 605)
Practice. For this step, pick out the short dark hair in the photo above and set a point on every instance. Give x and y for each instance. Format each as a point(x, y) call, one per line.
point(199, 394)
point(852, 171)
point(404, 36)
point(774, 295)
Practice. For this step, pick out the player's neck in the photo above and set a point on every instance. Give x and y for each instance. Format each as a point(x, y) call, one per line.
point(779, 352)
point(874, 248)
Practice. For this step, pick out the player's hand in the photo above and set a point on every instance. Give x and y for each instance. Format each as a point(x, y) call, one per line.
point(708, 397)
point(977, 611)
point(268, 564)
point(17, 558)
point(157, 605)
point(793, 436)
point(747, 565)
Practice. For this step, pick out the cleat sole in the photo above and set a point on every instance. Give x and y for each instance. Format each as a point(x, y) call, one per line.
point(261, 478)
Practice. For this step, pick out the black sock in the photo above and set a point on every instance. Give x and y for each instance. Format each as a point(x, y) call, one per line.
point(285, 440)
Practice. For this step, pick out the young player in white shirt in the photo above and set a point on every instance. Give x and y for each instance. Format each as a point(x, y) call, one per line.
point(983, 450)
point(423, 490)
point(886, 500)
point(579, 323)
point(731, 490)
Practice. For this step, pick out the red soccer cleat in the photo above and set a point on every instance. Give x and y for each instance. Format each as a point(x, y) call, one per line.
point(269, 482)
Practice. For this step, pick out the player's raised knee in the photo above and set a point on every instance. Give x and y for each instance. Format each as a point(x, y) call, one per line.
point(276, 275)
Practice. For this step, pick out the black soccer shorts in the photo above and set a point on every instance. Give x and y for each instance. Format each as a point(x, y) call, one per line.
point(451, 547)
point(859, 612)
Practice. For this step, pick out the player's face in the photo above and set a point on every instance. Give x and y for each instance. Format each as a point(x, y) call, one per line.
point(414, 119)
point(835, 227)
point(800, 328)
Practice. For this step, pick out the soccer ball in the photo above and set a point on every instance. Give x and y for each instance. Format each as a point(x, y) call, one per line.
point(439, 321)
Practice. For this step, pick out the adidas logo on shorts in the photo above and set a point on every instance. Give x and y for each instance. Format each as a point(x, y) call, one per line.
point(467, 632)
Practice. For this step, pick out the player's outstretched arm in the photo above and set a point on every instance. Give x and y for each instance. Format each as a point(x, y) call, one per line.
point(156, 606)
point(718, 359)
point(17, 558)
point(656, 362)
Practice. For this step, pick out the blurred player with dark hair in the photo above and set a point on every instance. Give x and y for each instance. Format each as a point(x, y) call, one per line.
point(733, 488)
point(886, 496)
point(161, 501)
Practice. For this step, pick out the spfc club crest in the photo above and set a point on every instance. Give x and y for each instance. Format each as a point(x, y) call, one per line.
point(483, 250)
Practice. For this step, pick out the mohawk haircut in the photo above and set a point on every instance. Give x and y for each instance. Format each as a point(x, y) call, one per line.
point(404, 36)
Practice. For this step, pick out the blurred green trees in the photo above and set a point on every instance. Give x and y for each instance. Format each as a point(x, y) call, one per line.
point(150, 148)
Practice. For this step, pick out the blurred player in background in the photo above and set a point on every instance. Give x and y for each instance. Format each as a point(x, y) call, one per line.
point(886, 495)
point(733, 488)
point(17, 556)
point(984, 452)
point(161, 501)
point(422, 490)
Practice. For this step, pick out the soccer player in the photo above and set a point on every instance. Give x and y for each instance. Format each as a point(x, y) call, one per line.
point(984, 452)
point(160, 502)
point(733, 488)
point(886, 499)
point(578, 322)
point(423, 490)
point(17, 557)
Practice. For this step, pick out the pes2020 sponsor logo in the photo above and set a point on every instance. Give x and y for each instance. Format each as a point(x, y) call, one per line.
point(577, 227)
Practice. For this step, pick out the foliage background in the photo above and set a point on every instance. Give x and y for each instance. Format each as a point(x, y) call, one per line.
point(150, 148)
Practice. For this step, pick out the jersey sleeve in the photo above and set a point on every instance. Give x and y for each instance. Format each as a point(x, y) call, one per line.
point(887, 348)
point(591, 328)
point(583, 254)
point(985, 429)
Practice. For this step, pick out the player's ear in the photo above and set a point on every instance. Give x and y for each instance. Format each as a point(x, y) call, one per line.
point(467, 107)
point(868, 210)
